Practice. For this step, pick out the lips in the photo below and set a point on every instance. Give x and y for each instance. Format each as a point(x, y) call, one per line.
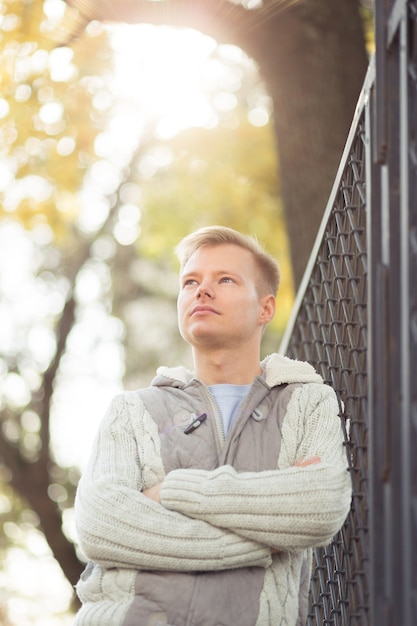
point(201, 309)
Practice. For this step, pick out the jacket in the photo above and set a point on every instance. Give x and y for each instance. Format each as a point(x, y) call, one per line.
point(230, 544)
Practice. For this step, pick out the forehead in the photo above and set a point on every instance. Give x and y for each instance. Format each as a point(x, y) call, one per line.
point(220, 257)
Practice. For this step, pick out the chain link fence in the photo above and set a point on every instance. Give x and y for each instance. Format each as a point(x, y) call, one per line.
point(330, 332)
point(355, 320)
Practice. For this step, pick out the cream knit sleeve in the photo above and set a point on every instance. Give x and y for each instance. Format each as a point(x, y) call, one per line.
point(288, 508)
point(117, 526)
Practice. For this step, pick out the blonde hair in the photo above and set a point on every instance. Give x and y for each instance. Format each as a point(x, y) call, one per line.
point(267, 266)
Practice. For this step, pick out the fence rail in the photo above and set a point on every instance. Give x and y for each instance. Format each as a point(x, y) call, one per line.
point(355, 320)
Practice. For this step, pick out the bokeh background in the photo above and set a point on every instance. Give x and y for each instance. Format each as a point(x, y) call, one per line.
point(116, 140)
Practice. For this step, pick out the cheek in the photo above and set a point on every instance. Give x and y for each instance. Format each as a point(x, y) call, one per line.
point(250, 310)
point(181, 307)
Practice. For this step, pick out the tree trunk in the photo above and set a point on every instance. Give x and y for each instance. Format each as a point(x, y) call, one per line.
point(30, 483)
point(313, 60)
point(31, 480)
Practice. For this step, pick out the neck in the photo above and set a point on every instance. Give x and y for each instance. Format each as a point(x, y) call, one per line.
point(220, 367)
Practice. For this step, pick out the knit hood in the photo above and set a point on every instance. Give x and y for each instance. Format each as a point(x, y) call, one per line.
point(278, 370)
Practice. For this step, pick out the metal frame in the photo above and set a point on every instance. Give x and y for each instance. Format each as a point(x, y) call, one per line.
point(355, 319)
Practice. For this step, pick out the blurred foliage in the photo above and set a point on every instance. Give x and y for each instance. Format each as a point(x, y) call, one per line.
point(367, 14)
point(74, 288)
point(110, 280)
point(49, 117)
point(220, 176)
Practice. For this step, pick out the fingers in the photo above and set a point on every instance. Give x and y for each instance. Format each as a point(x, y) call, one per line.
point(305, 462)
point(153, 493)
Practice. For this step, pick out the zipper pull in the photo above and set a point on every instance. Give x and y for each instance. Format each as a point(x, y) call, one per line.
point(195, 423)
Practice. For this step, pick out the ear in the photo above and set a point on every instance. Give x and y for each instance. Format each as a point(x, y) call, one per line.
point(267, 309)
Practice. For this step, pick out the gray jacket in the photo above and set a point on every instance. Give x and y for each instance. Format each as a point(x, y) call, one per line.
point(231, 542)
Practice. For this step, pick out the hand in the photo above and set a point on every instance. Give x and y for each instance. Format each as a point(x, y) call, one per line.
point(304, 462)
point(154, 492)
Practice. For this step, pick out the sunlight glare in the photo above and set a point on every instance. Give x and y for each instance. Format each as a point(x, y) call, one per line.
point(51, 112)
point(30, 599)
point(160, 69)
point(60, 67)
point(31, 186)
point(15, 391)
point(258, 116)
point(41, 343)
point(105, 175)
point(54, 10)
point(93, 209)
point(4, 108)
point(225, 101)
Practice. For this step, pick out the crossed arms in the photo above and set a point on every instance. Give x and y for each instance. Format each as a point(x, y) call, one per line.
point(128, 514)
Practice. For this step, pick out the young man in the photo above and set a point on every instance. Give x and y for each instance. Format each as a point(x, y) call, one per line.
point(206, 491)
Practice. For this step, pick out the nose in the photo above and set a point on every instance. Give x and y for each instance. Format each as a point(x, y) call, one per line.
point(205, 289)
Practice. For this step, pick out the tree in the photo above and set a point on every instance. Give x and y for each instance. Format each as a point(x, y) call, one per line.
point(47, 146)
point(313, 59)
point(51, 156)
point(48, 118)
point(49, 123)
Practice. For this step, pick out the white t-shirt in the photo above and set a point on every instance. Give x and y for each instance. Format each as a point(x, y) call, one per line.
point(229, 398)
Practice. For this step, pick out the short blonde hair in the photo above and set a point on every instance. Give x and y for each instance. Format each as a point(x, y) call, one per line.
point(267, 266)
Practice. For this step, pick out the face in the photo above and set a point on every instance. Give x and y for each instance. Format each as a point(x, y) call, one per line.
point(218, 302)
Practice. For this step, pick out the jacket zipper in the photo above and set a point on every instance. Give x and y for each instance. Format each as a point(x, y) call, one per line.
point(215, 409)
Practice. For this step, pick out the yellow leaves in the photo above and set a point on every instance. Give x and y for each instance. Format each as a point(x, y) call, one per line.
point(367, 15)
point(48, 123)
point(216, 176)
point(54, 112)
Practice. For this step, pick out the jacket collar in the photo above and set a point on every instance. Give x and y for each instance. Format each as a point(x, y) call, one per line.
point(278, 370)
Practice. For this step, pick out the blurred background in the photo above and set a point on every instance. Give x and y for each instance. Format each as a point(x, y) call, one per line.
point(116, 140)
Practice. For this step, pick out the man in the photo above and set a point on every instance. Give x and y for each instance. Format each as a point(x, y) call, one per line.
point(206, 491)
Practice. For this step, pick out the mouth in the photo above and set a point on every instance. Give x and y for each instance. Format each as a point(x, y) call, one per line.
point(201, 310)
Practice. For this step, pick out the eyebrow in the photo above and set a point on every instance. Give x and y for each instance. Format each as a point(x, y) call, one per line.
point(216, 273)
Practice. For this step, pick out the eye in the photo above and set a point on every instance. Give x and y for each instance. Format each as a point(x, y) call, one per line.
point(226, 279)
point(189, 282)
